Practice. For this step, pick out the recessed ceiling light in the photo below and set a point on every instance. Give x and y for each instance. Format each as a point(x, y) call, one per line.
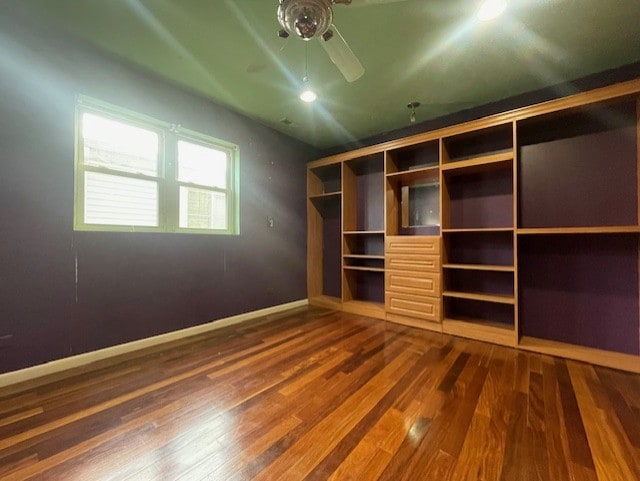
point(308, 96)
point(490, 9)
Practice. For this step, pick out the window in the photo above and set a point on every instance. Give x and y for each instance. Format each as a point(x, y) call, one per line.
point(134, 173)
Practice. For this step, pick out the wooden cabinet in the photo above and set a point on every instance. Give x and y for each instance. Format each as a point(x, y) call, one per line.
point(412, 280)
point(520, 229)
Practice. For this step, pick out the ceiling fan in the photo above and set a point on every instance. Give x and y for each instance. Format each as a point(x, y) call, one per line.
point(308, 19)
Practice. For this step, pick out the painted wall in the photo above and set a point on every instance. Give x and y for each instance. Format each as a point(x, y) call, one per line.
point(129, 285)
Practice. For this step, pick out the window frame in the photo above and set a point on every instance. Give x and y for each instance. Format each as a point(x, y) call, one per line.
point(168, 207)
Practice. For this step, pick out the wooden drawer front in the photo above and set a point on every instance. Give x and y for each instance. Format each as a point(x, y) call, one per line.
point(418, 283)
point(420, 307)
point(413, 245)
point(413, 262)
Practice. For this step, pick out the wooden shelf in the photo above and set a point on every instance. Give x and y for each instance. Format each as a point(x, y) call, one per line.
point(486, 163)
point(413, 176)
point(616, 360)
point(365, 308)
point(363, 256)
point(614, 229)
point(480, 267)
point(363, 268)
point(476, 296)
point(480, 229)
point(363, 232)
point(326, 196)
point(480, 329)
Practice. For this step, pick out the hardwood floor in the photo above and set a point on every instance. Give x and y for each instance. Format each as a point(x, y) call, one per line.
point(320, 395)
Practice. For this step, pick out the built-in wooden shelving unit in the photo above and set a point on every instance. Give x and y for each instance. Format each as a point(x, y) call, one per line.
point(520, 229)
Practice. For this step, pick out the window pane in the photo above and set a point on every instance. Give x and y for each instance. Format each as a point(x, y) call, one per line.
point(116, 145)
point(117, 200)
point(202, 165)
point(202, 209)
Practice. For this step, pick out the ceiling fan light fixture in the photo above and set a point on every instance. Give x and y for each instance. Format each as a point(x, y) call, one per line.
point(490, 9)
point(305, 19)
point(412, 106)
point(308, 95)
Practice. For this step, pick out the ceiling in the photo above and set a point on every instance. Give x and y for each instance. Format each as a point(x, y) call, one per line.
point(432, 51)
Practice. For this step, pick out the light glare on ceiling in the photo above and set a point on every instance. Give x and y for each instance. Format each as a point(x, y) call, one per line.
point(490, 9)
point(308, 96)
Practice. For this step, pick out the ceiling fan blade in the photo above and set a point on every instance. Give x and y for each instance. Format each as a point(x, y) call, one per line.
point(342, 56)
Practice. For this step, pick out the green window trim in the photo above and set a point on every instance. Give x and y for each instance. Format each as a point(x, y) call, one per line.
point(168, 186)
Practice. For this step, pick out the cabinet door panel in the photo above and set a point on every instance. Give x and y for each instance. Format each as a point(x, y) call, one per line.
point(413, 262)
point(413, 245)
point(409, 305)
point(419, 283)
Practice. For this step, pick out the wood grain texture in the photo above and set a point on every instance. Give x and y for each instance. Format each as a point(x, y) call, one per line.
point(315, 394)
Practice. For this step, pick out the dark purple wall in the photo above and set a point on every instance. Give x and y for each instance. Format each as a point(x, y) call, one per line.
point(370, 200)
point(479, 248)
point(331, 254)
point(481, 200)
point(580, 289)
point(369, 286)
point(469, 309)
point(129, 285)
point(584, 180)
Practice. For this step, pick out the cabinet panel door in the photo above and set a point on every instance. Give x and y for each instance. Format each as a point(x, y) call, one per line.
point(413, 262)
point(408, 282)
point(410, 305)
point(413, 245)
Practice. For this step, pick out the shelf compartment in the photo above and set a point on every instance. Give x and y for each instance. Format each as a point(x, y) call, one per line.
point(414, 157)
point(413, 202)
point(478, 296)
point(478, 143)
point(480, 311)
point(481, 200)
point(324, 247)
point(365, 308)
point(327, 205)
point(579, 168)
point(580, 290)
point(480, 267)
point(485, 163)
point(424, 175)
point(363, 284)
point(363, 246)
point(363, 193)
point(326, 197)
point(480, 329)
point(324, 180)
point(364, 268)
point(489, 247)
point(364, 262)
point(490, 283)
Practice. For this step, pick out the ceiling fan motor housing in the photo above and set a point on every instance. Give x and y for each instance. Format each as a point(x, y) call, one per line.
point(305, 19)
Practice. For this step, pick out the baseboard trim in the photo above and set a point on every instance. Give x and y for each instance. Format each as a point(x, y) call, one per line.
point(73, 362)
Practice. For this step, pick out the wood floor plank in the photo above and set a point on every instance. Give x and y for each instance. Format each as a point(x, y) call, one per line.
point(315, 394)
point(606, 448)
